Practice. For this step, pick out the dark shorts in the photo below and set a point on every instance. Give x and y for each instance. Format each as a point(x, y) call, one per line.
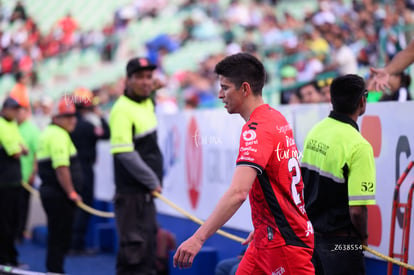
point(334, 255)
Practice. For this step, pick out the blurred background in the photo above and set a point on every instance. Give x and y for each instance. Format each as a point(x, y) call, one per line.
point(59, 46)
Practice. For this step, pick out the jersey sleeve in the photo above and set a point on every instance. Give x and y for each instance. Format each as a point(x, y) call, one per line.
point(361, 178)
point(256, 146)
point(60, 151)
point(121, 131)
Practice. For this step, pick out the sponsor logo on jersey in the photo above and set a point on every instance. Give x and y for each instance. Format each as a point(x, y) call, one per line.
point(283, 129)
point(279, 271)
point(249, 135)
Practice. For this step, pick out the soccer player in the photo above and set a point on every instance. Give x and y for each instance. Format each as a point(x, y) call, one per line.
point(268, 171)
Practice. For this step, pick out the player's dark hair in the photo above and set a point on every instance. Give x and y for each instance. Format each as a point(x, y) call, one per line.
point(346, 91)
point(243, 67)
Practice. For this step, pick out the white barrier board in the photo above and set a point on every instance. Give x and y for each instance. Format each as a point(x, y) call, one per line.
point(200, 149)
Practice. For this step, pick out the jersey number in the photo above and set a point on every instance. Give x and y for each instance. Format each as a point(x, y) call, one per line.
point(293, 164)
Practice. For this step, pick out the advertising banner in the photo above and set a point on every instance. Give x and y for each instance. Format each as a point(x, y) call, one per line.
point(200, 149)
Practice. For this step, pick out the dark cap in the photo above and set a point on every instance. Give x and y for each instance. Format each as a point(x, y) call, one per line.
point(10, 102)
point(137, 64)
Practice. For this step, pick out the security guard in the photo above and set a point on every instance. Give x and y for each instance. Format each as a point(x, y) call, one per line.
point(138, 170)
point(11, 149)
point(60, 173)
point(338, 170)
point(90, 128)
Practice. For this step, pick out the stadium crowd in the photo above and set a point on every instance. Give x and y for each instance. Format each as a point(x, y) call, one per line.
point(335, 39)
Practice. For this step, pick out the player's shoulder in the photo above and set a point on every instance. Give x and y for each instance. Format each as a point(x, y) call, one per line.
point(267, 117)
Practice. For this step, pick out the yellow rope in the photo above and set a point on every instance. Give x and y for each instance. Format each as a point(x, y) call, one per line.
point(80, 204)
point(387, 258)
point(95, 212)
point(238, 239)
point(195, 219)
point(200, 222)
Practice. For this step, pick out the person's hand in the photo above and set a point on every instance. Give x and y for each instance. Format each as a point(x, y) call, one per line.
point(73, 196)
point(24, 151)
point(184, 256)
point(365, 242)
point(31, 179)
point(379, 80)
point(158, 189)
point(249, 238)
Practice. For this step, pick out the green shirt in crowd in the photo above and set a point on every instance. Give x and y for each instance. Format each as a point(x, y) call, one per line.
point(30, 133)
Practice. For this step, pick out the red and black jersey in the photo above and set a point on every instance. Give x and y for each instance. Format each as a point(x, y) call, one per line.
point(276, 197)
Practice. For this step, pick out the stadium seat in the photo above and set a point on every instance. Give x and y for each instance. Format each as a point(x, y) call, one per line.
point(6, 84)
point(204, 263)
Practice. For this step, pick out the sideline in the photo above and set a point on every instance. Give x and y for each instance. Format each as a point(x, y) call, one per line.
point(103, 214)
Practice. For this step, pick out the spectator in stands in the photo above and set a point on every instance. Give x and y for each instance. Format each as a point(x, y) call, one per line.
point(90, 128)
point(324, 85)
point(343, 59)
point(30, 133)
point(19, 12)
point(7, 63)
point(315, 42)
point(61, 176)
point(309, 93)
point(20, 89)
point(42, 112)
point(288, 79)
point(11, 149)
point(399, 88)
point(68, 25)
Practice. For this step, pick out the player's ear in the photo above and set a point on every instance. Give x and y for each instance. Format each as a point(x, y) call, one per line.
point(245, 88)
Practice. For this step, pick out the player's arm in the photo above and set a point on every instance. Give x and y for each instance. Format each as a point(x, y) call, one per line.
point(229, 203)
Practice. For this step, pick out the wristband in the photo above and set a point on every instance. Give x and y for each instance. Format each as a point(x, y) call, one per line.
point(73, 195)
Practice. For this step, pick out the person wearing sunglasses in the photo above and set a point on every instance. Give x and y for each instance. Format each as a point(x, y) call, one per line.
point(338, 170)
